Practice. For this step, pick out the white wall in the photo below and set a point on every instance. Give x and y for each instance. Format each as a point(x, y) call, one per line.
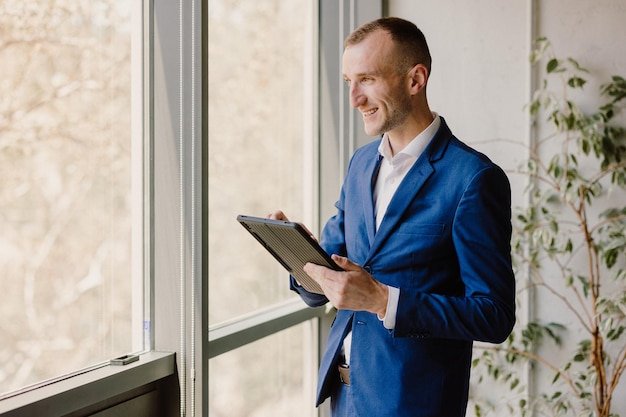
point(481, 77)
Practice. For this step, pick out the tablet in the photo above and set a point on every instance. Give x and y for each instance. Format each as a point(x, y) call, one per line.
point(292, 245)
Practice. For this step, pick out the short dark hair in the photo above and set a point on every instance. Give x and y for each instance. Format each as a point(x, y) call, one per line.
point(409, 40)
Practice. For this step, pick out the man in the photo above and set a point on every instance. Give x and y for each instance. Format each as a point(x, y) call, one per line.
point(422, 232)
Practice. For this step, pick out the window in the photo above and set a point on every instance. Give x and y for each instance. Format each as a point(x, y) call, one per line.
point(260, 135)
point(260, 158)
point(72, 127)
point(267, 378)
point(71, 247)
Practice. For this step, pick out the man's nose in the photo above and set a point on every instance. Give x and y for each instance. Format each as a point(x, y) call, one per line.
point(356, 96)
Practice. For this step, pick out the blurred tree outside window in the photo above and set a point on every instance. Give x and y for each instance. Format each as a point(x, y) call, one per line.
point(260, 78)
point(66, 193)
point(257, 86)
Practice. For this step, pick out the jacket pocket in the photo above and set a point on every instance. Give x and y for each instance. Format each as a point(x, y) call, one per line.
point(422, 229)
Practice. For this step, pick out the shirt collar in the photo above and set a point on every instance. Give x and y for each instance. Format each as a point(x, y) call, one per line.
point(416, 146)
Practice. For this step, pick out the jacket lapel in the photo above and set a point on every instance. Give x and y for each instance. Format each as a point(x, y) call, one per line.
point(410, 186)
point(367, 191)
point(408, 189)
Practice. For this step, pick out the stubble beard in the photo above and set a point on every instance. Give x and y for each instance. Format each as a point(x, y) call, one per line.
point(399, 110)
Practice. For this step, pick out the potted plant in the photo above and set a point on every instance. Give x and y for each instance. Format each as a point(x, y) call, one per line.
point(569, 248)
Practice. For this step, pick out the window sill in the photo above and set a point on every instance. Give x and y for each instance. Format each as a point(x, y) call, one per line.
point(84, 390)
point(259, 324)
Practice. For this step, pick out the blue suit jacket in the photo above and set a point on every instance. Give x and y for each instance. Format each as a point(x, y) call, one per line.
point(445, 242)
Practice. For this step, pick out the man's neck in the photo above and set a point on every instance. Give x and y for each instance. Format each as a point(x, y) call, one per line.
point(399, 139)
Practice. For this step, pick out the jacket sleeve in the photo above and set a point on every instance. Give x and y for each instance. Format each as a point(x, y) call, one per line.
point(310, 299)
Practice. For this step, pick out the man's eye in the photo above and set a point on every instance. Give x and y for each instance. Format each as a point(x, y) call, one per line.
point(346, 81)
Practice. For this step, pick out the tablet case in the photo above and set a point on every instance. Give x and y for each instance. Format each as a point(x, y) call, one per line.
point(292, 245)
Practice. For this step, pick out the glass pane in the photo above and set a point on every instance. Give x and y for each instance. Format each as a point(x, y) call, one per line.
point(257, 85)
point(65, 199)
point(268, 378)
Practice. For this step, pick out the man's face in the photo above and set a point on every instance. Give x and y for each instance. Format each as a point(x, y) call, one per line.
point(376, 89)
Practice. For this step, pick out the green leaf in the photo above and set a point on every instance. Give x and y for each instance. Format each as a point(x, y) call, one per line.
point(570, 121)
point(577, 65)
point(554, 226)
point(585, 146)
point(615, 334)
point(553, 64)
point(576, 82)
point(534, 107)
point(569, 246)
point(515, 383)
point(610, 258)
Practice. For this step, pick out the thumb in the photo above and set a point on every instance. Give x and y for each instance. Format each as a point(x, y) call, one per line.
point(345, 263)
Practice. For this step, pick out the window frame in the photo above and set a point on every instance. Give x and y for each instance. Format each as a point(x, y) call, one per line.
point(177, 279)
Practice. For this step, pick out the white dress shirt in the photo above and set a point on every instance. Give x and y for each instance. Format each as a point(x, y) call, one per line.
point(393, 169)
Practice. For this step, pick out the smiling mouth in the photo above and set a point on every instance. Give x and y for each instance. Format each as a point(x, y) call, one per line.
point(369, 112)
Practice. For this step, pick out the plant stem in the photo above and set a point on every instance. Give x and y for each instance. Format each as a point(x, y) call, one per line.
point(597, 344)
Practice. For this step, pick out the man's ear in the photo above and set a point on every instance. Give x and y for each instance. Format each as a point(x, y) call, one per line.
point(419, 78)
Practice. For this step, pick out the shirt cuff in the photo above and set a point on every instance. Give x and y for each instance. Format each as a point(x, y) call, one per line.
point(389, 321)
